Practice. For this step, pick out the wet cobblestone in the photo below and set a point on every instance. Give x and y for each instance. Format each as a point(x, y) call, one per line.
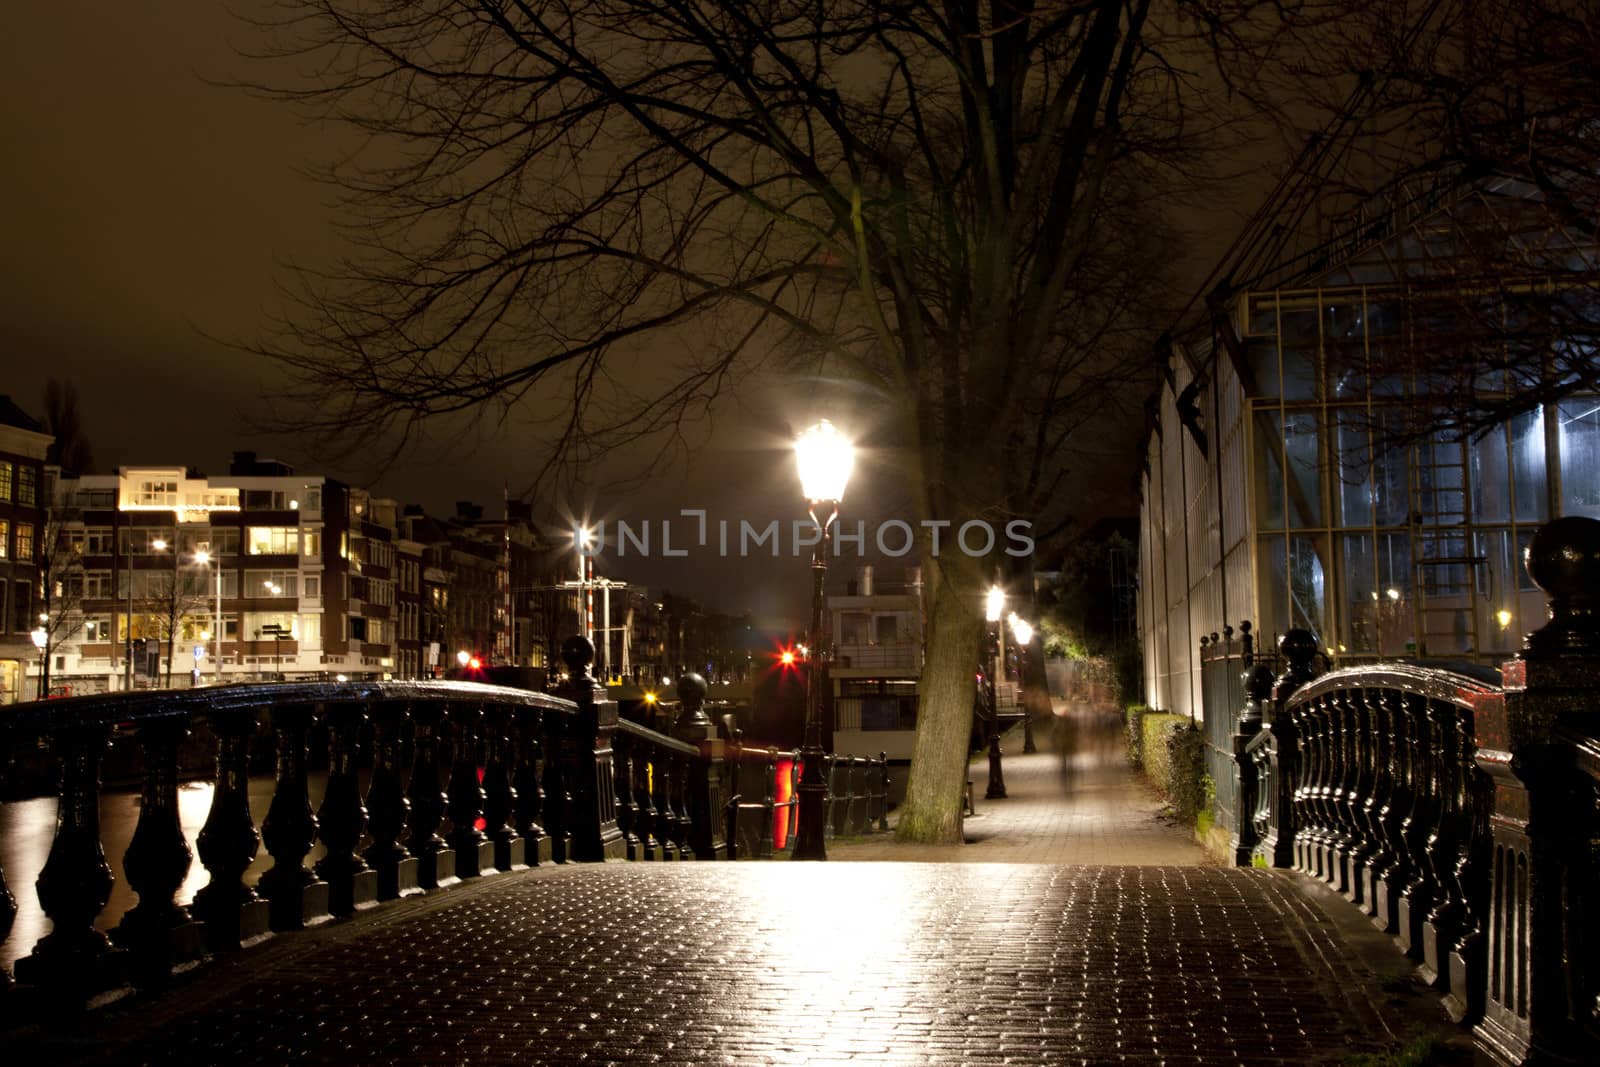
point(751, 963)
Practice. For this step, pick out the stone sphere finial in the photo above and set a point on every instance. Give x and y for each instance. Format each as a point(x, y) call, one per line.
point(1257, 682)
point(1298, 648)
point(577, 652)
point(692, 691)
point(1563, 559)
point(693, 723)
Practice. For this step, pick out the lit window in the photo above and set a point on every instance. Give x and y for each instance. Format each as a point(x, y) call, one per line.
point(5, 481)
point(24, 540)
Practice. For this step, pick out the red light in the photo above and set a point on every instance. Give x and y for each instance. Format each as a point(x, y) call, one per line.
point(787, 658)
point(475, 663)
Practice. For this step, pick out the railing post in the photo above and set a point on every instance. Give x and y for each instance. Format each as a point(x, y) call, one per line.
point(436, 864)
point(158, 931)
point(1257, 682)
point(232, 912)
point(499, 795)
point(706, 788)
point(474, 850)
point(387, 807)
point(733, 768)
point(296, 897)
point(1542, 975)
point(1298, 648)
point(593, 809)
point(883, 797)
point(769, 805)
point(530, 787)
point(342, 818)
point(76, 880)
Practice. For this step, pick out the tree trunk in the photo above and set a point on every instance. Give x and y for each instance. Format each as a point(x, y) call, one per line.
point(932, 812)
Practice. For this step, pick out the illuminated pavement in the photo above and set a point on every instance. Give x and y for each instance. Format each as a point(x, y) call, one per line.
point(780, 962)
point(1007, 950)
point(1089, 808)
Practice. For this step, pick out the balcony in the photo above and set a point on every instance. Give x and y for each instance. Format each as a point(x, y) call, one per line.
point(892, 656)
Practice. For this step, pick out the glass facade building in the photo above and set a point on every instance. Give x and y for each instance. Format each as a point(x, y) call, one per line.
point(1287, 482)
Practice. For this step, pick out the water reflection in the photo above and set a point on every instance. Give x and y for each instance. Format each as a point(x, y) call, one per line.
point(27, 826)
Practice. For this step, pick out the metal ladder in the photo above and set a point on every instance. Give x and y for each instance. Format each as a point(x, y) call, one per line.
point(1443, 559)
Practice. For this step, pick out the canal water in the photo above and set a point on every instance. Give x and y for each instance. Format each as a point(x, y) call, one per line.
point(26, 828)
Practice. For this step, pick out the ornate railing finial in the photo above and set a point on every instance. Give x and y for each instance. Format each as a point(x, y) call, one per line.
point(577, 652)
point(1257, 682)
point(692, 720)
point(1298, 648)
point(1563, 559)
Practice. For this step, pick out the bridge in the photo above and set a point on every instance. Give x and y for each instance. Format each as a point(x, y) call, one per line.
point(474, 900)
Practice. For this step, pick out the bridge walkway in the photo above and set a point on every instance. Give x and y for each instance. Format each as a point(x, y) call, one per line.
point(1007, 957)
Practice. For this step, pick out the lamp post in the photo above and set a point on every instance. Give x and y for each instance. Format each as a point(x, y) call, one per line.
point(41, 641)
point(825, 458)
point(204, 557)
point(994, 605)
point(1022, 630)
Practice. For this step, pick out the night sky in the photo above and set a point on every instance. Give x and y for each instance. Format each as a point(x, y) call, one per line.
point(151, 216)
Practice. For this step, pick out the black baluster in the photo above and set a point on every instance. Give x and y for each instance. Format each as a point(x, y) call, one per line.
point(1468, 962)
point(1417, 897)
point(1359, 800)
point(8, 915)
point(474, 851)
point(769, 805)
point(1445, 845)
point(232, 913)
point(623, 749)
point(646, 827)
point(681, 820)
point(735, 769)
point(436, 864)
point(530, 789)
point(557, 801)
point(499, 797)
point(661, 767)
point(76, 880)
point(387, 807)
point(1394, 871)
point(1341, 792)
point(342, 818)
point(884, 779)
point(158, 931)
point(296, 898)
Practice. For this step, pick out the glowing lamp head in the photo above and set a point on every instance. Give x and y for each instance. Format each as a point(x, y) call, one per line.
point(202, 556)
point(1021, 629)
point(787, 658)
point(584, 537)
point(159, 544)
point(825, 458)
point(994, 604)
point(649, 698)
point(1393, 593)
point(463, 657)
point(1503, 617)
point(40, 638)
point(474, 663)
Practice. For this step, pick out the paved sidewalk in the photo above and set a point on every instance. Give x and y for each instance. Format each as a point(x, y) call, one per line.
point(1091, 808)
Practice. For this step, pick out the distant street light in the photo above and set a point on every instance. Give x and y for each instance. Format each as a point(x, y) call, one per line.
point(41, 641)
point(994, 606)
point(1022, 630)
point(825, 458)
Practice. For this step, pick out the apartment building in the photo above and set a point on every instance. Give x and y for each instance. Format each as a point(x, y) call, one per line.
point(23, 520)
point(258, 574)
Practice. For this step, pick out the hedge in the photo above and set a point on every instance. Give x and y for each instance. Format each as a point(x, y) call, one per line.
point(1173, 757)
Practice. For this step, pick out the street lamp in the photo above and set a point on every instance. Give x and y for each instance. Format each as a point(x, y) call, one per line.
point(825, 459)
point(203, 557)
point(41, 641)
point(993, 606)
point(1022, 630)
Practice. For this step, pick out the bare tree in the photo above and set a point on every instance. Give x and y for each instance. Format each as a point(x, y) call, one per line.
point(170, 598)
point(70, 449)
point(59, 562)
point(931, 201)
point(1482, 121)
